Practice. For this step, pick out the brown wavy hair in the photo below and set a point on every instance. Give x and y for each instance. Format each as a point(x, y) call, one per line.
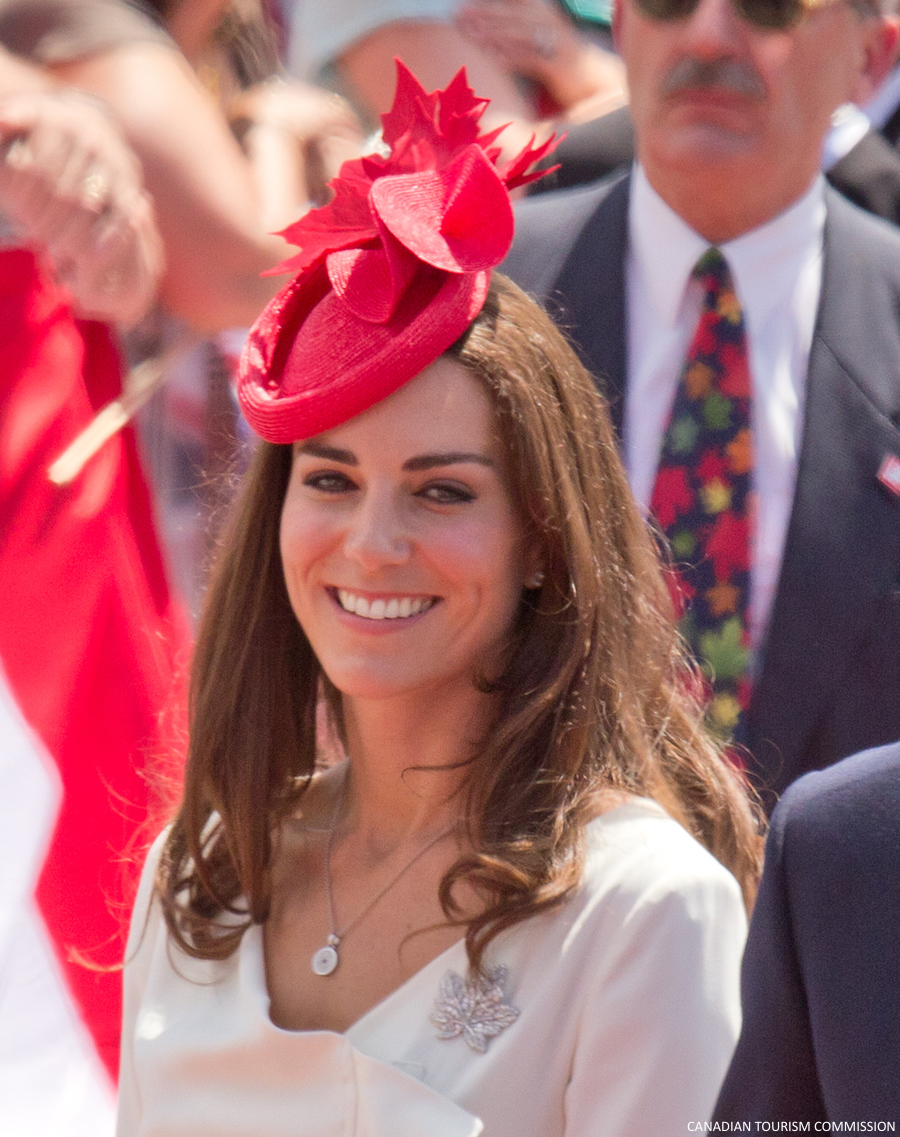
point(596, 694)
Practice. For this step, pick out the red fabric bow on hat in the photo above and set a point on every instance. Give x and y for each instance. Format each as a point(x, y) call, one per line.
point(391, 272)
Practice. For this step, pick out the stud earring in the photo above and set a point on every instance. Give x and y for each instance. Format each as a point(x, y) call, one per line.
point(536, 580)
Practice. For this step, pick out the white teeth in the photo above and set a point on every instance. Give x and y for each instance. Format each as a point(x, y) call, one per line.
point(392, 609)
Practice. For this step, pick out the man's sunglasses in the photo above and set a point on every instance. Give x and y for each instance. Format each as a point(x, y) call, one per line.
point(773, 15)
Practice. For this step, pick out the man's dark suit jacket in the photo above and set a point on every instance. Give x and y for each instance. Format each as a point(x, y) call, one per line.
point(830, 678)
point(589, 151)
point(821, 974)
point(869, 174)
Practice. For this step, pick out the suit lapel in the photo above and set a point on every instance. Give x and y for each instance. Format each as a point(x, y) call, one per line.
point(843, 545)
point(593, 303)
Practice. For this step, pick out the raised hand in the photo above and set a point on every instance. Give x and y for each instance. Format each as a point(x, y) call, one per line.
point(72, 188)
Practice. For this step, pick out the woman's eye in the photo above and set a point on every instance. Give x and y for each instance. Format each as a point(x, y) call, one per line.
point(330, 481)
point(446, 493)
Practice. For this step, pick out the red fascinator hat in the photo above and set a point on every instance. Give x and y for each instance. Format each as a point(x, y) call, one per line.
point(391, 272)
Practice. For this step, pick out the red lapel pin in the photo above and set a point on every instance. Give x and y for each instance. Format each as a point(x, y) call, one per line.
point(889, 474)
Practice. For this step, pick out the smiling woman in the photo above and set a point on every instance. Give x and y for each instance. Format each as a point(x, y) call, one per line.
point(495, 912)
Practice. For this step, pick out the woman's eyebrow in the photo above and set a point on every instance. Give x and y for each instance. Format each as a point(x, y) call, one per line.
point(420, 462)
point(329, 453)
point(454, 457)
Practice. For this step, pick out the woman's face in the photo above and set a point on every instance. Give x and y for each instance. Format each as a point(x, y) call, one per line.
point(403, 553)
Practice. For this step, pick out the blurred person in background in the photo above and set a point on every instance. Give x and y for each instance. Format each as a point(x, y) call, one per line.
point(91, 641)
point(574, 78)
point(539, 64)
point(350, 47)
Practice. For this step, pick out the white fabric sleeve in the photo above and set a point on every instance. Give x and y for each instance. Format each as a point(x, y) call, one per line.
point(659, 1024)
point(146, 922)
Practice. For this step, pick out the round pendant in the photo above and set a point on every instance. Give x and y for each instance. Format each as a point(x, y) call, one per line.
point(324, 961)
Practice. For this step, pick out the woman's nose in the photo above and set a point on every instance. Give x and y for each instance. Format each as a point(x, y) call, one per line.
point(376, 533)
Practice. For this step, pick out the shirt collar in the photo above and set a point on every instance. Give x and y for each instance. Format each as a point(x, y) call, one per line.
point(885, 101)
point(765, 263)
point(849, 126)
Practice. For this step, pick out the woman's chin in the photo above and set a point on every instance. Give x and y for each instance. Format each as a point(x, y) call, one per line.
point(370, 684)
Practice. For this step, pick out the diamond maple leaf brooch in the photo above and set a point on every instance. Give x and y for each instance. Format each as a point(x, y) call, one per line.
point(475, 1007)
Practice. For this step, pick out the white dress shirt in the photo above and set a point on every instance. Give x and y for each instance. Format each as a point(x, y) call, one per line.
point(777, 273)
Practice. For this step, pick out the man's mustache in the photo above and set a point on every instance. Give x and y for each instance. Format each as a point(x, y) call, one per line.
point(734, 75)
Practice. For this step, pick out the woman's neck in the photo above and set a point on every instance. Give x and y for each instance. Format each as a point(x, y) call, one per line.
point(405, 775)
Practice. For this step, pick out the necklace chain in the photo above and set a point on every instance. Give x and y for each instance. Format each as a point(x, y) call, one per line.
point(326, 960)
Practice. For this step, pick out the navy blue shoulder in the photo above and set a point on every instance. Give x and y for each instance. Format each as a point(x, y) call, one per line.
point(852, 784)
point(842, 821)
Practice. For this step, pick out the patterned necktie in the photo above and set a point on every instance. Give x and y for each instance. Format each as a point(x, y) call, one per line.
point(703, 497)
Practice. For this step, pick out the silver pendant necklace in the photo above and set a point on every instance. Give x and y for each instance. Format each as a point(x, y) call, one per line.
point(326, 959)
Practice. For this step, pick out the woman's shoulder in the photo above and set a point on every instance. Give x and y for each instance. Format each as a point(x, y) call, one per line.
point(636, 850)
point(146, 891)
point(147, 898)
point(150, 867)
point(151, 947)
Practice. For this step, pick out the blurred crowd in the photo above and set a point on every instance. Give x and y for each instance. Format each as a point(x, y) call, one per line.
point(151, 151)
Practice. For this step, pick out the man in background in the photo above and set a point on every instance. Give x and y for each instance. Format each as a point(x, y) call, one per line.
point(743, 320)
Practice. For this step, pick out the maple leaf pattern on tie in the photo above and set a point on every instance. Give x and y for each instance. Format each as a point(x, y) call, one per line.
point(703, 497)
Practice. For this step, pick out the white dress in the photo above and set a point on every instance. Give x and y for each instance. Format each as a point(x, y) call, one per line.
point(614, 1016)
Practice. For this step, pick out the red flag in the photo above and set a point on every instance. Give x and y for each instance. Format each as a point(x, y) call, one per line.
point(91, 641)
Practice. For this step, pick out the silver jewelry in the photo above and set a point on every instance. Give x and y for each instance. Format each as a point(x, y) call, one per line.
point(535, 581)
point(326, 959)
point(475, 1007)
